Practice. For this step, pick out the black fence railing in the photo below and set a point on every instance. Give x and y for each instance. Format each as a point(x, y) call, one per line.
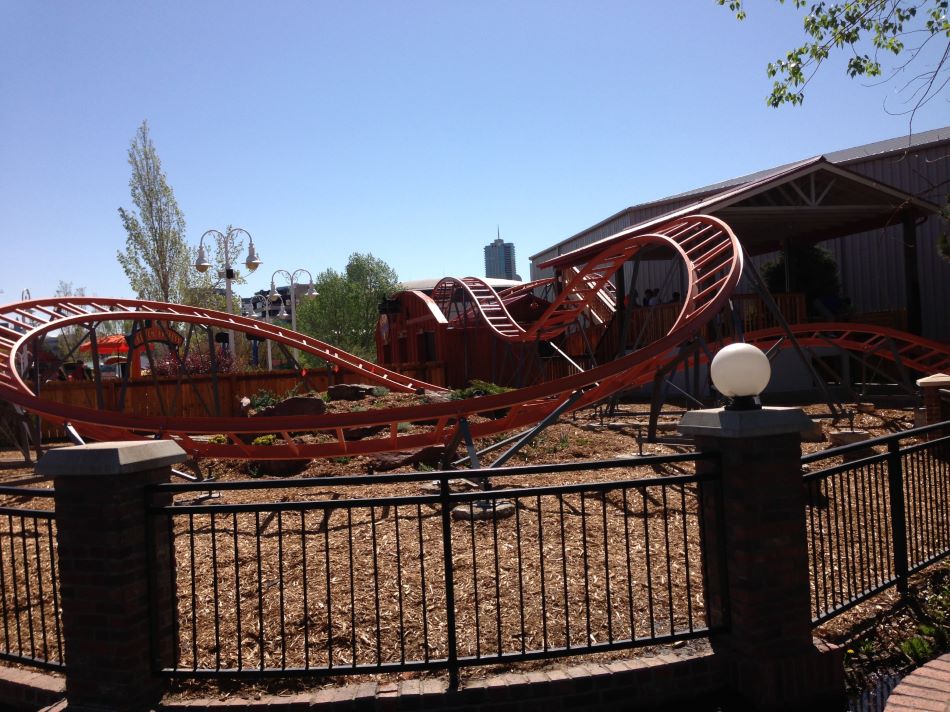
point(403, 572)
point(30, 624)
point(877, 513)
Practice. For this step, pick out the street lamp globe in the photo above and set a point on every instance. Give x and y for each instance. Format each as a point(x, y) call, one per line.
point(253, 261)
point(202, 264)
point(740, 372)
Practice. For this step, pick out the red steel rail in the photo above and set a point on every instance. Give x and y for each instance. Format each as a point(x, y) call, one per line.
point(709, 250)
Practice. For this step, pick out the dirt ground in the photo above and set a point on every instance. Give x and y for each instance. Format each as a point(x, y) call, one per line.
point(490, 621)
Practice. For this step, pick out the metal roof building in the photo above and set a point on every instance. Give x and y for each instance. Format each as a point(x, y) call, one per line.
point(856, 203)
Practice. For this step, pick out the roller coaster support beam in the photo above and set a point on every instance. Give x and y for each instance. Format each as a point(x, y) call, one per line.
point(911, 276)
point(469, 445)
point(660, 379)
point(905, 377)
point(484, 451)
point(533, 433)
point(763, 290)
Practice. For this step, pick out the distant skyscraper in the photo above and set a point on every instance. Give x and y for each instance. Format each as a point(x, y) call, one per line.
point(500, 259)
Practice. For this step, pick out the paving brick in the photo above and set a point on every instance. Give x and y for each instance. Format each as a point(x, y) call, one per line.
point(942, 676)
point(928, 693)
point(923, 680)
point(915, 703)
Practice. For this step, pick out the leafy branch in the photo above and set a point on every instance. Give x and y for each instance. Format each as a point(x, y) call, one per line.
point(887, 25)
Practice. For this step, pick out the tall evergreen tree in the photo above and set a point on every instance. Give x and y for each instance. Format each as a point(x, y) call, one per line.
point(156, 259)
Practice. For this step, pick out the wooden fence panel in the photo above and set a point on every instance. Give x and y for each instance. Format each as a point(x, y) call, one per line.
point(193, 397)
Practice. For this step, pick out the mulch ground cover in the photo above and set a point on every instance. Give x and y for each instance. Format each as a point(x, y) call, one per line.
point(361, 581)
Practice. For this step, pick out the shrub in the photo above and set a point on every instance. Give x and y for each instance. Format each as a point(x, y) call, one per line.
point(263, 399)
point(812, 270)
point(478, 388)
point(196, 362)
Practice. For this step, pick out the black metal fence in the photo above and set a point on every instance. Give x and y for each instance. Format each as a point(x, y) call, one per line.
point(405, 572)
point(29, 589)
point(876, 513)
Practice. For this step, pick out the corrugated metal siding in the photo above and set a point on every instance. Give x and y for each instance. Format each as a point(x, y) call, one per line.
point(872, 264)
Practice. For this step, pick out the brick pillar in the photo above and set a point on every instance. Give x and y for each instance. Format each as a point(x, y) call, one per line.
point(935, 408)
point(757, 556)
point(103, 567)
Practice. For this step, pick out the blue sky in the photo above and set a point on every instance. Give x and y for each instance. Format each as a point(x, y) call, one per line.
point(405, 129)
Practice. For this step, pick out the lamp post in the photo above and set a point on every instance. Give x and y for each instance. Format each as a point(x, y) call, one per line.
point(275, 295)
point(228, 273)
point(25, 353)
point(256, 300)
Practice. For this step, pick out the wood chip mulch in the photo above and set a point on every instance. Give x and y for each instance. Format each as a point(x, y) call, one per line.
point(510, 574)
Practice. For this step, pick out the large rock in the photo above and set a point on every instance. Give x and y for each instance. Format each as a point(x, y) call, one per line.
point(276, 468)
point(296, 405)
point(431, 456)
point(840, 438)
point(349, 391)
point(364, 432)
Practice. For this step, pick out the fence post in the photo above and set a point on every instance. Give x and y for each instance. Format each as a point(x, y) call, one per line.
point(445, 504)
point(758, 550)
point(935, 410)
point(895, 486)
point(101, 532)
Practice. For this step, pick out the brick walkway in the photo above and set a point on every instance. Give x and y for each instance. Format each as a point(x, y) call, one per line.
point(927, 688)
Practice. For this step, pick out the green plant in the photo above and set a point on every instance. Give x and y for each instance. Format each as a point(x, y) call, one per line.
point(379, 391)
point(423, 467)
point(811, 270)
point(218, 440)
point(269, 439)
point(340, 460)
point(263, 399)
point(918, 649)
point(403, 427)
point(478, 388)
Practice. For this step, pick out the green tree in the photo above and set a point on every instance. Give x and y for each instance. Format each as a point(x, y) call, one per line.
point(70, 337)
point(156, 259)
point(346, 310)
point(811, 270)
point(913, 32)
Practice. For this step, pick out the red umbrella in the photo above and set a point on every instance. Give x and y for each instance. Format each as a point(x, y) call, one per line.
point(115, 344)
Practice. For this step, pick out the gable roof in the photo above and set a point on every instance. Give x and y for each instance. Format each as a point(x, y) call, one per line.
point(762, 221)
point(695, 198)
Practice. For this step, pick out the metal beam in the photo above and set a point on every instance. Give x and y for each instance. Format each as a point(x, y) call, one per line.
point(533, 433)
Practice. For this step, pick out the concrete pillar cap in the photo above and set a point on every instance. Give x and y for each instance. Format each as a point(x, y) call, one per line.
point(938, 379)
point(722, 423)
point(110, 458)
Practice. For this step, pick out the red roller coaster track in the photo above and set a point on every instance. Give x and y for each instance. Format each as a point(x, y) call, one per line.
point(708, 248)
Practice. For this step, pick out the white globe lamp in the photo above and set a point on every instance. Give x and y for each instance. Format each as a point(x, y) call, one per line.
point(740, 372)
